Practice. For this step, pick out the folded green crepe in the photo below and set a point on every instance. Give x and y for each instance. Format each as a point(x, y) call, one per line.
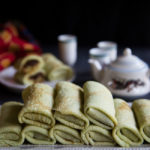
point(99, 105)
point(10, 129)
point(55, 69)
point(68, 105)
point(66, 135)
point(126, 133)
point(141, 109)
point(30, 78)
point(29, 63)
point(37, 135)
point(95, 135)
point(38, 102)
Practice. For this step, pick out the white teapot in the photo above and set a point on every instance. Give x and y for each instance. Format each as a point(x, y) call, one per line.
point(128, 76)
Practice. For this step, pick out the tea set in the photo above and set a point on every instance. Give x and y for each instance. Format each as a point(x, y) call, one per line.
point(126, 75)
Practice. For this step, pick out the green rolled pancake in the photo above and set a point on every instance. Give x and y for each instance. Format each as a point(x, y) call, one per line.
point(37, 135)
point(30, 78)
point(29, 63)
point(55, 69)
point(10, 129)
point(38, 102)
point(99, 105)
point(66, 135)
point(68, 105)
point(95, 135)
point(126, 133)
point(141, 109)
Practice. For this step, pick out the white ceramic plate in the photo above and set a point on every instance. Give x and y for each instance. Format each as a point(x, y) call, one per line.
point(7, 80)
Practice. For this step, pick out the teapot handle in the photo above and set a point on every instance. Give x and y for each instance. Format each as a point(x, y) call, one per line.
point(96, 64)
point(96, 68)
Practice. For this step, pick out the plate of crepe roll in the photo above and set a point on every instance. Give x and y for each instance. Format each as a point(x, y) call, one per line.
point(72, 117)
point(36, 69)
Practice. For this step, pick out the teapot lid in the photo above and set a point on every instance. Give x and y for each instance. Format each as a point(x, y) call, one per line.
point(128, 63)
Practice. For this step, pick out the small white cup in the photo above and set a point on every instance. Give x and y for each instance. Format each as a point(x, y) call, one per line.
point(98, 54)
point(109, 47)
point(67, 45)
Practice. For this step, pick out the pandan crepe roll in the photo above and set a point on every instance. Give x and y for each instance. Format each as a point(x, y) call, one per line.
point(66, 135)
point(55, 69)
point(30, 78)
point(95, 135)
point(68, 105)
point(10, 129)
point(141, 109)
point(38, 102)
point(37, 135)
point(126, 133)
point(99, 105)
point(30, 63)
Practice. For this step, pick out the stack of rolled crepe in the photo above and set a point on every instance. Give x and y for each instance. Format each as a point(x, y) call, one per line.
point(126, 133)
point(37, 114)
point(99, 109)
point(141, 108)
point(68, 112)
point(30, 70)
point(10, 129)
point(112, 121)
point(55, 69)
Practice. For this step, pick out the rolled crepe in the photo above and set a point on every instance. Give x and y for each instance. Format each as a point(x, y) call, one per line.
point(68, 105)
point(66, 135)
point(96, 135)
point(126, 133)
point(99, 105)
point(55, 69)
point(141, 109)
point(29, 63)
point(38, 102)
point(10, 129)
point(37, 135)
point(30, 78)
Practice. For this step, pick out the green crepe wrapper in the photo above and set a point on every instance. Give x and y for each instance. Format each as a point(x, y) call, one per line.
point(10, 129)
point(68, 105)
point(55, 69)
point(66, 135)
point(95, 135)
point(126, 133)
point(37, 135)
point(31, 77)
point(29, 63)
point(141, 108)
point(99, 105)
point(38, 102)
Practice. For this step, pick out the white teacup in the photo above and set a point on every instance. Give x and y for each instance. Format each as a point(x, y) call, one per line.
point(67, 45)
point(109, 47)
point(100, 55)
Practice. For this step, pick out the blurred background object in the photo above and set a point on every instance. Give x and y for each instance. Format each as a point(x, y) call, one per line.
point(13, 45)
point(126, 23)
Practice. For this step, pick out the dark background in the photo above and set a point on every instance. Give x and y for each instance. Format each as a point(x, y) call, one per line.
point(125, 22)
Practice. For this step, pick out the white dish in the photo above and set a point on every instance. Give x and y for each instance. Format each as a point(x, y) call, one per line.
point(7, 80)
